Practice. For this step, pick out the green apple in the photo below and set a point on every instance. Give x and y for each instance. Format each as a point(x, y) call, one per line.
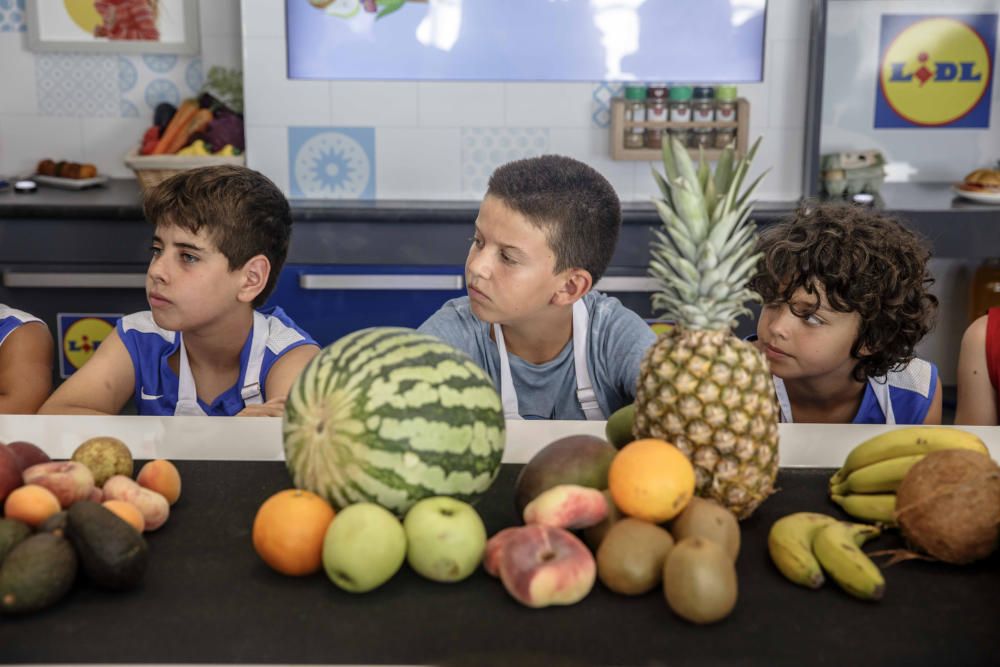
point(364, 546)
point(445, 537)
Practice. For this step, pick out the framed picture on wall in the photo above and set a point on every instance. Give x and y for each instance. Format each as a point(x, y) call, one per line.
point(129, 26)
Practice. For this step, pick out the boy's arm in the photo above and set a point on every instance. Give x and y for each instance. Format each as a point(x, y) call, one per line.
point(934, 412)
point(101, 386)
point(279, 382)
point(25, 369)
point(977, 399)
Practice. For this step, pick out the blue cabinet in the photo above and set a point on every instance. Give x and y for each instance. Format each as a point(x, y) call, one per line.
point(330, 301)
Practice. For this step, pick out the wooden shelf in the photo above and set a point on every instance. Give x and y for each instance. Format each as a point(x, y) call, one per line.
point(619, 125)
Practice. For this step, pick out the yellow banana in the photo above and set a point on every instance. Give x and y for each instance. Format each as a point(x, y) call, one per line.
point(790, 544)
point(877, 477)
point(838, 549)
point(878, 507)
point(906, 441)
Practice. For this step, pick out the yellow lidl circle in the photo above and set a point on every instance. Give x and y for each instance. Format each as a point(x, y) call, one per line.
point(82, 339)
point(83, 14)
point(935, 71)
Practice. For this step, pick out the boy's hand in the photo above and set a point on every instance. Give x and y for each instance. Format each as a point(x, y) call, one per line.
point(272, 408)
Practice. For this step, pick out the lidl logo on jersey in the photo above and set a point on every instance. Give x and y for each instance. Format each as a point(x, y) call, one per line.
point(80, 334)
point(935, 71)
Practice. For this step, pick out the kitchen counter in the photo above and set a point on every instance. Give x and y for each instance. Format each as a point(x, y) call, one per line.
point(208, 599)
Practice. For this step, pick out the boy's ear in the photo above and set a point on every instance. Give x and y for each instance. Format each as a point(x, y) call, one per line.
point(255, 273)
point(576, 283)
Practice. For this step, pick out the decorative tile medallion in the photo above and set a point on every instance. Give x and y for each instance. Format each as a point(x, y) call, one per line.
point(332, 162)
point(12, 16)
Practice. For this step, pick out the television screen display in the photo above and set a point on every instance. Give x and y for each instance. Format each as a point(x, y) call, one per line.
point(703, 41)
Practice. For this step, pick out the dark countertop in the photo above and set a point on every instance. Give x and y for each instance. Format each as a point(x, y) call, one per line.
point(340, 231)
point(208, 599)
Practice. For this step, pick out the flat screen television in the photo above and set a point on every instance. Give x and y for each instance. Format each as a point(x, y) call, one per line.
point(681, 41)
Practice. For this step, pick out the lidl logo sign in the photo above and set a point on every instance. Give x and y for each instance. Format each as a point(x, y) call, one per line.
point(935, 71)
point(80, 334)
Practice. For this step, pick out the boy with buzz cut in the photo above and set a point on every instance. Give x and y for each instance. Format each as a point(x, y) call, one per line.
point(554, 348)
point(220, 238)
point(845, 300)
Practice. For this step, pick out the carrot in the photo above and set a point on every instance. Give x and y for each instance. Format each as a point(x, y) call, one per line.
point(196, 124)
point(185, 112)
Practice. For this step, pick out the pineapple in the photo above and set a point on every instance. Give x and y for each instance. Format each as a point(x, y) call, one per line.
point(700, 387)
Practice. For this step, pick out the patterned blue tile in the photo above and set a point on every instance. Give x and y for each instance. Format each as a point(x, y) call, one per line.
point(486, 148)
point(76, 84)
point(146, 80)
point(332, 162)
point(12, 16)
point(600, 108)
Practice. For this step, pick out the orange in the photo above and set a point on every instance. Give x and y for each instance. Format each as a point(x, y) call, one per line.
point(31, 503)
point(288, 531)
point(651, 480)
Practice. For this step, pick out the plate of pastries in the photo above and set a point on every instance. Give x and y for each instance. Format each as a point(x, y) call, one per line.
point(981, 185)
point(70, 175)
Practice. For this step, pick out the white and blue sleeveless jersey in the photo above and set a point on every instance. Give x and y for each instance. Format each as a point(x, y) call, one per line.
point(156, 384)
point(911, 392)
point(10, 319)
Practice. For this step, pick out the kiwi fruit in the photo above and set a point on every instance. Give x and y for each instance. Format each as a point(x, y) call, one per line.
point(707, 518)
point(699, 581)
point(630, 559)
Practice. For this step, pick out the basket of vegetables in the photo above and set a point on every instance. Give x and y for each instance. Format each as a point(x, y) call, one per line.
point(202, 131)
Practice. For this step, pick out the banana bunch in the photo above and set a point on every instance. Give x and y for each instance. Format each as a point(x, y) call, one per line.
point(804, 545)
point(865, 486)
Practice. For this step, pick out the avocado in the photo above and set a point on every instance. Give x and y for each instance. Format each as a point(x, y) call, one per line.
point(36, 573)
point(113, 553)
point(12, 532)
point(54, 524)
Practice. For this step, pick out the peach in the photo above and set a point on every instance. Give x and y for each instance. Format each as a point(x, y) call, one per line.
point(127, 511)
point(68, 480)
point(161, 476)
point(31, 504)
point(541, 565)
point(567, 506)
point(154, 507)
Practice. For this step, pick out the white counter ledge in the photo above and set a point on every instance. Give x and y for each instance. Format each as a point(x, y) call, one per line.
point(259, 438)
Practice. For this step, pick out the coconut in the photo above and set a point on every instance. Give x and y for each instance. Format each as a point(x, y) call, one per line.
point(948, 505)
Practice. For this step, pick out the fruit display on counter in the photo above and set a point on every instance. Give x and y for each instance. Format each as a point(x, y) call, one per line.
point(391, 416)
point(704, 390)
point(84, 514)
point(865, 485)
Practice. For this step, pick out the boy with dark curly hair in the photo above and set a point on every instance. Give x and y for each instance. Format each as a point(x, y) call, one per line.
point(845, 300)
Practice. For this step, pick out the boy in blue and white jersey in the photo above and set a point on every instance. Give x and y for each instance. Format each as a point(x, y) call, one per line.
point(220, 240)
point(845, 303)
point(26, 354)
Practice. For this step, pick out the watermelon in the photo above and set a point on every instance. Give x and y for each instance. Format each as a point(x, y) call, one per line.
point(391, 416)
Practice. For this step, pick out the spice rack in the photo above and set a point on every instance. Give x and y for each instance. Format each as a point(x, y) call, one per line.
point(619, 125)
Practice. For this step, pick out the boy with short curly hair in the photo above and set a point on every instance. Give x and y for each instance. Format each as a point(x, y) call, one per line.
point(845, 300)
point(220, 239)
point(555, 348)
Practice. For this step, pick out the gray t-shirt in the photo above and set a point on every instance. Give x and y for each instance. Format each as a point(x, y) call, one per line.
point(617, 339)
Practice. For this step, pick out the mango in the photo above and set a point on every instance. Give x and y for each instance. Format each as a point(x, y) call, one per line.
point(577, 459)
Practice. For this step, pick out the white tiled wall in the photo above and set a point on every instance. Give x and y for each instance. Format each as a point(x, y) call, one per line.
point(95, 107)
point(437, 119)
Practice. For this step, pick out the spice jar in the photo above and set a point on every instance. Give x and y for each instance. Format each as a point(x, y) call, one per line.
point(679, 101)
point(656, 111)
point(702, 105)
point(724, 136)
point(725, 104)
point(635, 111)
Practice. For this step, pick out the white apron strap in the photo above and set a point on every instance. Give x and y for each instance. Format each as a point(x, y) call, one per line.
point(507, 394)
point(251, 392)
point(881, 390)
point(783, 402)
point(187, 395)
point(584, 387)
